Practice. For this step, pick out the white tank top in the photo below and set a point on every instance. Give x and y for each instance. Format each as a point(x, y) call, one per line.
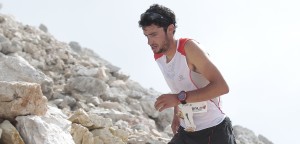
point(179, 77)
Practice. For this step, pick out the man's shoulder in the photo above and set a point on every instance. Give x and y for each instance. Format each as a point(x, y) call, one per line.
point(183, 43)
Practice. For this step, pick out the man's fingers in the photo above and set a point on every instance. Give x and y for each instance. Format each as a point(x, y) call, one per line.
point(159, 102)
point(156, 105)
point(162, 102)
point(160, 107)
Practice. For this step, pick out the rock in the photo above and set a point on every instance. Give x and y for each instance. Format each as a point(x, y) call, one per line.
point(53, 128)
point(15, 68)
point(10, 135)
point(75, 46)
point(81, 134)
point(86, 85)
point(43, 28)
point(91, 121)
point(21, 98)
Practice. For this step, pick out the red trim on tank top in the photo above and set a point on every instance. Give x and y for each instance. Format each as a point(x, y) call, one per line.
point(182, 42)
point(157, 56)
point(218, 106)
point(180, 49)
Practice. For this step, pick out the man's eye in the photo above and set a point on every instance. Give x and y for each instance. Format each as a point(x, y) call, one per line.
point(153, 35)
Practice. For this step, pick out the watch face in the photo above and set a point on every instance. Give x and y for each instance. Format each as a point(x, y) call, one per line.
point(181, 96)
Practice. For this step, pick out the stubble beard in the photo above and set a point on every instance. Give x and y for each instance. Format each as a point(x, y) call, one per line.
point(165, 46)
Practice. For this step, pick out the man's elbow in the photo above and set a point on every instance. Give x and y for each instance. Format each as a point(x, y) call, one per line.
point(225, 89)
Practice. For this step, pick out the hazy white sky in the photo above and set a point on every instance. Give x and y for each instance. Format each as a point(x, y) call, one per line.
point(255, 44)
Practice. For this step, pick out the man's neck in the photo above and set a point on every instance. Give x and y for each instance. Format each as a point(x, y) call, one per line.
point(172, 50)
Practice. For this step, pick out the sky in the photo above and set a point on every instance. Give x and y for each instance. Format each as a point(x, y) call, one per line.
point(255, 44)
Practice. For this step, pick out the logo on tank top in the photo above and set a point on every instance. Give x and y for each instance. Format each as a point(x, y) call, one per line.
point(170, 71)
point(180, 78)
point(199, 109)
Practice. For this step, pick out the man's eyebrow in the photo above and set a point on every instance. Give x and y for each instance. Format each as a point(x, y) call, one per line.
point(150, 34)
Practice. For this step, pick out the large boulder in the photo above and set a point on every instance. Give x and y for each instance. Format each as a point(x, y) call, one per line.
point(16, 68)
point(21, 98)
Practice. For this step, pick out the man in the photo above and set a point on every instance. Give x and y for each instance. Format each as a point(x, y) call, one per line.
point(195, 82)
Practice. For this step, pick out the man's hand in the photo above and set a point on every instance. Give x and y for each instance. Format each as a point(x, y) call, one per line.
point(166, 101)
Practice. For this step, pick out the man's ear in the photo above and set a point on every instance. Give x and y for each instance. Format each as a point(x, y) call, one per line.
point(171, 29)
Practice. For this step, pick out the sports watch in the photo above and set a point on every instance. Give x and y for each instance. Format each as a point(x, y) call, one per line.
point(182, 97)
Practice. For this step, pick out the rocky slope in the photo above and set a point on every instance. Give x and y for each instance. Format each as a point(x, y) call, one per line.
point(54, 92)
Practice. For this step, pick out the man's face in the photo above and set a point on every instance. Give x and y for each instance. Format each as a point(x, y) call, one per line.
point(157, 38)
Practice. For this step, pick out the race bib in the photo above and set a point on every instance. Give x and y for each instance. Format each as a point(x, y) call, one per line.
point(198, 107)
point(187, 112)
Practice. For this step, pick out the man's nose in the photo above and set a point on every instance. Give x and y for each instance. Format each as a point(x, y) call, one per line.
point(150, 41)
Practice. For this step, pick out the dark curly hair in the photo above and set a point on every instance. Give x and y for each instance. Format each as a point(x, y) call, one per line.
point(158, 15)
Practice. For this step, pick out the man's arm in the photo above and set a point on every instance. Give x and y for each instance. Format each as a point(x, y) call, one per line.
point(199, 62)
